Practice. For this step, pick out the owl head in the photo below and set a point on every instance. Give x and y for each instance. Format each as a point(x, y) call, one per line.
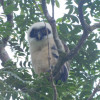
point(39, 31)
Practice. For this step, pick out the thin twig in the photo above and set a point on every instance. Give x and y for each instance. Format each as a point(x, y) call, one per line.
point(94, 91)
point(53, 25)
point(53, 3)
point(51, 74)
point(49, 58)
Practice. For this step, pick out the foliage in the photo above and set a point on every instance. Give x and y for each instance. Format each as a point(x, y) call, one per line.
point(17, 78)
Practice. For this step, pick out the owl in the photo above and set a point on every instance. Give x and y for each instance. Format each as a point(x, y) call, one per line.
point(38, 36)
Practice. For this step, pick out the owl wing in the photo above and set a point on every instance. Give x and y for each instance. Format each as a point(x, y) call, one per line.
point(63, 74)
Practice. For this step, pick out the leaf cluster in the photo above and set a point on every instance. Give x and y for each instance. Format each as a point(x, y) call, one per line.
point(17, 78)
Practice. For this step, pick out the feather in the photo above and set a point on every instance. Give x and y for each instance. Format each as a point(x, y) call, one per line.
point(38, 43)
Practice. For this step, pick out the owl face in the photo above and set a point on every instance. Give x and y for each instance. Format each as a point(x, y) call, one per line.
point(39, 33)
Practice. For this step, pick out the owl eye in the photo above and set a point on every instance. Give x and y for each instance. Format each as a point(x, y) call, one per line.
point(45, 30)
point(33, 33)
point(49, 31)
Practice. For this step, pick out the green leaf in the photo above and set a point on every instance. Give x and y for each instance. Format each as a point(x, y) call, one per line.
point(72, 17)
point(48, 1)
point(57, 3)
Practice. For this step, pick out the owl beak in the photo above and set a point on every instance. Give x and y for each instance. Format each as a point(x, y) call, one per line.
point(39, 36)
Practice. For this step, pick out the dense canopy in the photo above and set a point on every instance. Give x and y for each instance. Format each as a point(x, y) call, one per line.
point(78, 28)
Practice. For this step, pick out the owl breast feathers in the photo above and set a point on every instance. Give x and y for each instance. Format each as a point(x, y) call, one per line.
point(38, 43)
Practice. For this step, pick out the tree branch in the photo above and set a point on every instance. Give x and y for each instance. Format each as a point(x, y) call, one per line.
point(2, 3)
point(95, 26)
point(53, 25)
point(53, 3)
point(94, 91)
point(10, 20)
point(58, 42)
point(86, 30)
point(85, 26)
point(66, 57)
point(51, 75)
point(3, 54)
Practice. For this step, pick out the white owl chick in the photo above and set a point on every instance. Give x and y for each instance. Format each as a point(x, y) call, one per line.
point(38, 43)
